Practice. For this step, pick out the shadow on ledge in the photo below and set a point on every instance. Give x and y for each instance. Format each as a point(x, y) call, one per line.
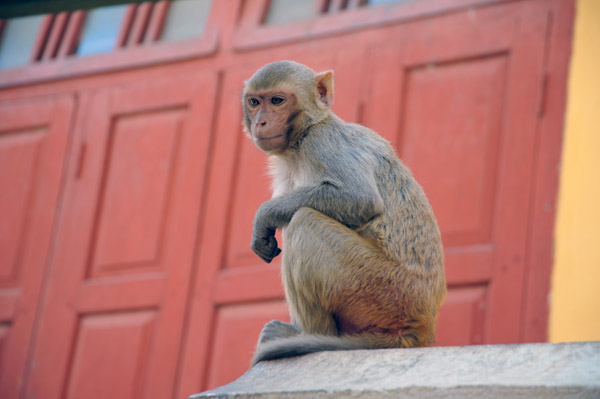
point(569, 370)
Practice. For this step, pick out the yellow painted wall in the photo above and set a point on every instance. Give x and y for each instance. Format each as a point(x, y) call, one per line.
point(575, 293)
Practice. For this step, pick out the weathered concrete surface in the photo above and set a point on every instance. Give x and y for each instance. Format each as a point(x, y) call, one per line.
point(570, 370)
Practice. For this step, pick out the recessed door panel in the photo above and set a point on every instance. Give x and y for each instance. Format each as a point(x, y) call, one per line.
point(141, 158)
point(232, 351)
point(19, 153)
point(34, 137)
point(106, 341)
point(462, 317)
point(450, 138)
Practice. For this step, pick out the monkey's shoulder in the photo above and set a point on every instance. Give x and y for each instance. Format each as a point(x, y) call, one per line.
point(366, 133)
point(339, 137)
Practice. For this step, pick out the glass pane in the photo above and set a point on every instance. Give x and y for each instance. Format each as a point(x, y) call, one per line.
point(100, 30)
point(286, 11)
point(382, 2)
point(18, 39)
point(186, 19)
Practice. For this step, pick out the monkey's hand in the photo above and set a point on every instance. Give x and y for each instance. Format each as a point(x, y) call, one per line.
point(264, 243)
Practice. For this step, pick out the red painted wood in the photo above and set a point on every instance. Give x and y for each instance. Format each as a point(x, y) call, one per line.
point(335, 6)
point(320, 6)
point(464, 310)
point(70, 40)
point(253, 35)
point(33, 141)
point(480, 147)
point(444, 93)
point(543, 205)
point(150, 263)
point(124, 250)
point(506, 290)
point(230, 345)
point(44, 32)
point(212, 240)
point(129, 18)
point(157, 21)
point(140, 24)
point(127, 337)
point(56, 33)
point(140, 56)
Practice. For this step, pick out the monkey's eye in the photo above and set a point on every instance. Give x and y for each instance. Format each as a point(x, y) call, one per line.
point(253, 102)
point(277, 100)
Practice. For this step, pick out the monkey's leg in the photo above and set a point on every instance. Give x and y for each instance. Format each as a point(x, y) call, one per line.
point(321, 258)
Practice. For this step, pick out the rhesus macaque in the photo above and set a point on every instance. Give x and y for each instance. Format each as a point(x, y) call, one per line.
point(363, 264)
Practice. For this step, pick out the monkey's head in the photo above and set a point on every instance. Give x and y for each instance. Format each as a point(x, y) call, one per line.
point(282, 100)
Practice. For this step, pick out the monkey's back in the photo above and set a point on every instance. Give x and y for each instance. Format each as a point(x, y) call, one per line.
point(411, 231)
point(406, 230)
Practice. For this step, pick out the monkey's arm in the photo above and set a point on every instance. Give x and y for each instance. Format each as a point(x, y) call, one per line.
point(352, 206)
point(352, 201)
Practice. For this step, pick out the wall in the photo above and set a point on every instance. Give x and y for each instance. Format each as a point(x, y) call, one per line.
point(532, 371)
point(575, 294)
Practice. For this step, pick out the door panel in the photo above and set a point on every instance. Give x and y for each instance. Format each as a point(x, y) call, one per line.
point(462, 320)
point(462, 139)
point(124, 336)
point(459, 115)
point(229, 347)
point(33, 141)
point(135, 192)
point(114, 311)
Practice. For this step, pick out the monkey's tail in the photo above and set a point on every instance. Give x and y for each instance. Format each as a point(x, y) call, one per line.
point(303, 343)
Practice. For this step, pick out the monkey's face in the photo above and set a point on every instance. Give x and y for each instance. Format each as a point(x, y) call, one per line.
point(270, 115)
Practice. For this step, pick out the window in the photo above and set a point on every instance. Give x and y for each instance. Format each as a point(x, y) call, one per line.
point(101, 29)
point(287, 11)
point(17, 40)
point(185, 19)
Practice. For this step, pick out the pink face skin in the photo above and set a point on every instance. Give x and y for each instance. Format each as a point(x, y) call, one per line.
point(270, 113)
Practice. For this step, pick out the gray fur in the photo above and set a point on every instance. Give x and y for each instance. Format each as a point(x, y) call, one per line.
point(363, 260)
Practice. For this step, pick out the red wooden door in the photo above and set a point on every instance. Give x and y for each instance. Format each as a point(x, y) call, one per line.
point(244, 291)
point(462, 100)
point(33, 140)
point(459, 97)
point(127, 188)
point(113, 315)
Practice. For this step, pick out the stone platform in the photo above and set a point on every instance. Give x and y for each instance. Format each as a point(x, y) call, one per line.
point(569, 370)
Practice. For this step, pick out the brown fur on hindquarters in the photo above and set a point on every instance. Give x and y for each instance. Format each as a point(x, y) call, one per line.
point(363, 260)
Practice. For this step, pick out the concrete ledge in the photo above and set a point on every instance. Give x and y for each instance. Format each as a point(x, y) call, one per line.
point(570, 370)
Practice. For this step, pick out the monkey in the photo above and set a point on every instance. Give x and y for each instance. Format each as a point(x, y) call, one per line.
point(363, 263)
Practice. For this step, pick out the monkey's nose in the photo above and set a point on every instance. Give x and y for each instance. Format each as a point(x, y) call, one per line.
point(262, 123)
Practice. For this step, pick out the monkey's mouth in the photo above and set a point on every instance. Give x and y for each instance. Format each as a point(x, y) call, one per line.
point(269, 138)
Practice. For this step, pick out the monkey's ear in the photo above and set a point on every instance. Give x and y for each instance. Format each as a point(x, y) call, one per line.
point(324, 86)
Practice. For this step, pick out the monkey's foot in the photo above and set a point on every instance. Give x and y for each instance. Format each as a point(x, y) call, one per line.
point(277, 329)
